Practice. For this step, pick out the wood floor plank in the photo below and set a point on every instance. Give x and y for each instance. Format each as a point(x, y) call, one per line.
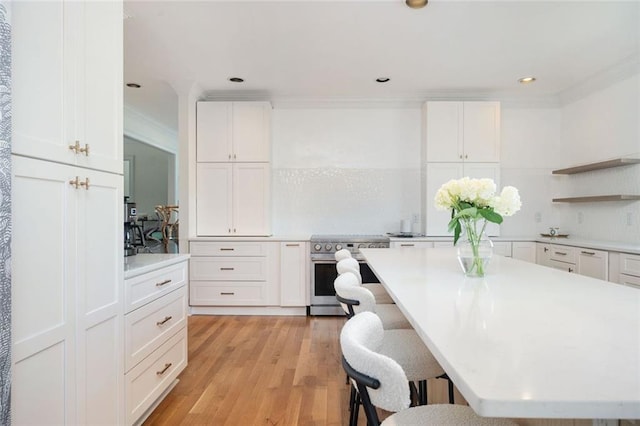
point(270, 371)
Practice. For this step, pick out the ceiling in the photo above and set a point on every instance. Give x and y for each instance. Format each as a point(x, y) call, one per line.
point(300, 50)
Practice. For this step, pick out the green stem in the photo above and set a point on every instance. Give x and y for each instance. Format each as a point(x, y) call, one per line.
point(474, 239)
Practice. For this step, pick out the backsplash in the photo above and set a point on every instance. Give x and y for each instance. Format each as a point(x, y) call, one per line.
point(343, 201)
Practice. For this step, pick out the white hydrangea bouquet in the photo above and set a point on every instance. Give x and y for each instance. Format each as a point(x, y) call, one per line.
point(473, 203)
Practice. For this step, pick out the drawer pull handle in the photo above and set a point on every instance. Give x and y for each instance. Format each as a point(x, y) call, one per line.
point(561, 253)
point(570, 269)
point(164, 321)
point(160, 284)
point(407, 245)
point(546, 249)
point(293, 245)
point(226, 269)
point(590, 253)
point(164, 370)
point(229, 293)
point(226, 249)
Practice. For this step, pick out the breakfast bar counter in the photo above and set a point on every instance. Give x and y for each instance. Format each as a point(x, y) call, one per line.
point(525, 341)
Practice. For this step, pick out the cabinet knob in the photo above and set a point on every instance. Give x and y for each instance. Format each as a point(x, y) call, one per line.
point(85, 150)
point(85, 184)
point(466, 156)
point(75, 182)
point(461, 156)
point(570, 269)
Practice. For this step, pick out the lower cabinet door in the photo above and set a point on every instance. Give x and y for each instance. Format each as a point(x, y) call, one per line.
point(148, 381)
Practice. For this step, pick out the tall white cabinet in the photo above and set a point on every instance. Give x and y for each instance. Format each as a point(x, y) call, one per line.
point(67, 260)
point(233, 171)
point(461, 139)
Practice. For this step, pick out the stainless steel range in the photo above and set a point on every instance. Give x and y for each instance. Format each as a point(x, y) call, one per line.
point(323, 267)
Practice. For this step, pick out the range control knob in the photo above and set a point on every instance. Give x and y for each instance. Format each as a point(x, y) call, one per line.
point(338, 247)
point(372, 246)
point(327, 247)
point(362, 245)
point(317, 247)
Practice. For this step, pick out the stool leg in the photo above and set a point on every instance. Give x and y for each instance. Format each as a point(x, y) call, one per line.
point(451, 398)
point(422, 392)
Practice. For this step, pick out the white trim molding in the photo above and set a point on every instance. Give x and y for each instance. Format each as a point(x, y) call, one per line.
point(139, 126)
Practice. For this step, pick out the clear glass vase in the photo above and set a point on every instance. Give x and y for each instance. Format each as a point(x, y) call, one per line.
point(474, 253)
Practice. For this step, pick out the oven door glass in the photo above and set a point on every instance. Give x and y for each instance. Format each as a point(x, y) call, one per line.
point(324, 274)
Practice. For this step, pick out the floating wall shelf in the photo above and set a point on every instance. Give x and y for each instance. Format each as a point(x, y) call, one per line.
point(597, 166)
point(597, 198)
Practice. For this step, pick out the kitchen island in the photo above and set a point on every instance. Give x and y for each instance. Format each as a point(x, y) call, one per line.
point(525, 341)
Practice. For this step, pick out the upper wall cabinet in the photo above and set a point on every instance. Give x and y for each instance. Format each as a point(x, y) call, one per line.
point(233, 131)
point(70, 108)
point(462, 131)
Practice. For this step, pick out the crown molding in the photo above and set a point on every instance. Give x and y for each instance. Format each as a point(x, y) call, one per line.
point(141, 127)
point(606, 78)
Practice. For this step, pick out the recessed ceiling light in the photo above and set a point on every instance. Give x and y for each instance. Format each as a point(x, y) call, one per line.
point(382, 79)
point(134, 85)
point(416, 4)
point(526, 80)
point(236, 79)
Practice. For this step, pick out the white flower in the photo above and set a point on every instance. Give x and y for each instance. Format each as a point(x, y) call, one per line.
point(508, 202)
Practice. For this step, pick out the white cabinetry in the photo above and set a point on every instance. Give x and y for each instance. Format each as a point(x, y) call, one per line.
point(233, 274)
point(593, 263)
point(70, 94)
point(233, 173)
point(463, 131)
point(584, 261)
point(233, 131)
point(67, 277)
point(629, 270)
point(563, 258)
point(233, 198)
point(440, 173)
point(294, 273)
point(67, 259)
point(524, 250)
point(543, 254)
point(155, 336)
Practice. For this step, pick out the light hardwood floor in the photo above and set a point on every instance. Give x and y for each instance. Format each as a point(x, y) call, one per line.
point(271, 371)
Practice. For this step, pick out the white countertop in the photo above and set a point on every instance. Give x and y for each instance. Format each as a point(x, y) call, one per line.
point(524, 341)
point(147, 262)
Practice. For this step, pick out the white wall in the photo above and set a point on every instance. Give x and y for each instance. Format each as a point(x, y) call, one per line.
point(530, 150)
point(345, 170)
point(597, 127)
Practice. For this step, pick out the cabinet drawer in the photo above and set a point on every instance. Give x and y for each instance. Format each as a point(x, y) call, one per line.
point(202, 248)
point(630, 280)
point(208, 293)
point(630, 264)
point(563, 266)
point(145, 288)
point(229, 269)
point(563, 254)
point(149, 379)
point(148, 327)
